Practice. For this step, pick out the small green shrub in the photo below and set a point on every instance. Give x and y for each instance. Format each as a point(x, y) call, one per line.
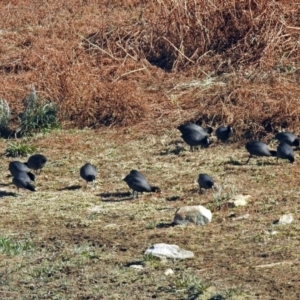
point(4, 115)
point(39, 114)
point(19, 149)
point(11, 247)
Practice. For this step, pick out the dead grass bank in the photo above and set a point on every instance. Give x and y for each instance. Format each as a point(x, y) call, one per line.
point(128, 62)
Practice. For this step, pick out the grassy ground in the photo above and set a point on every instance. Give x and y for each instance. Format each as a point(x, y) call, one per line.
point(120, 63)
point(66, 241)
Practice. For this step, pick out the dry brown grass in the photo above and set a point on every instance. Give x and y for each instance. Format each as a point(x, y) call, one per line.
point(115, 63)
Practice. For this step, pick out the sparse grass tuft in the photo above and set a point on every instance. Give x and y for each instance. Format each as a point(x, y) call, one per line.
point(192, 284)
point(150, 225)
point(233, 292)
point(4, 115)
point(19, 149)
point(86, 251)
point(39, 114)
point(151, 261)
point(221, 196)
point(45, 272)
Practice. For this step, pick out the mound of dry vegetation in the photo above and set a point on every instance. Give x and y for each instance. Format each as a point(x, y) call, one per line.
point(125, 62)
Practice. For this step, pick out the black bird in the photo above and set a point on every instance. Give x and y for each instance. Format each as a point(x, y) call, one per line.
point(288, 138)
point(187, 127)
point(16, 167)
point(223, 133)
point(88, 172)
point(285, 151)
point(194, 135)
point(138, 183)
point(22, 180)
point(257, 148)
point(36, 162)
point(194, 139)
point(205, 182)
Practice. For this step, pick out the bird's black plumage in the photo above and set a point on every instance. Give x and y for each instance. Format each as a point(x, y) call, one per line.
point(194, 135)
point(16, 167)
point(187, 127)
point(88, 172)
point(205, 181)
point(257, 148)
point(22, 181)
point(138, 183)
point(285, 151)
point(288, 138)
point(223, 133)
point(36, 162)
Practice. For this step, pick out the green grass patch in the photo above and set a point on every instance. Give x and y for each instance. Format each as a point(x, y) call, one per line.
point(11, 247)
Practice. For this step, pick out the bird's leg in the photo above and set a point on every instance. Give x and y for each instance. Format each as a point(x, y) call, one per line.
point(248, 159)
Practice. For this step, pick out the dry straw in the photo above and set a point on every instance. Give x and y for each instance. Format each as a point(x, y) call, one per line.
point(107, 65)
